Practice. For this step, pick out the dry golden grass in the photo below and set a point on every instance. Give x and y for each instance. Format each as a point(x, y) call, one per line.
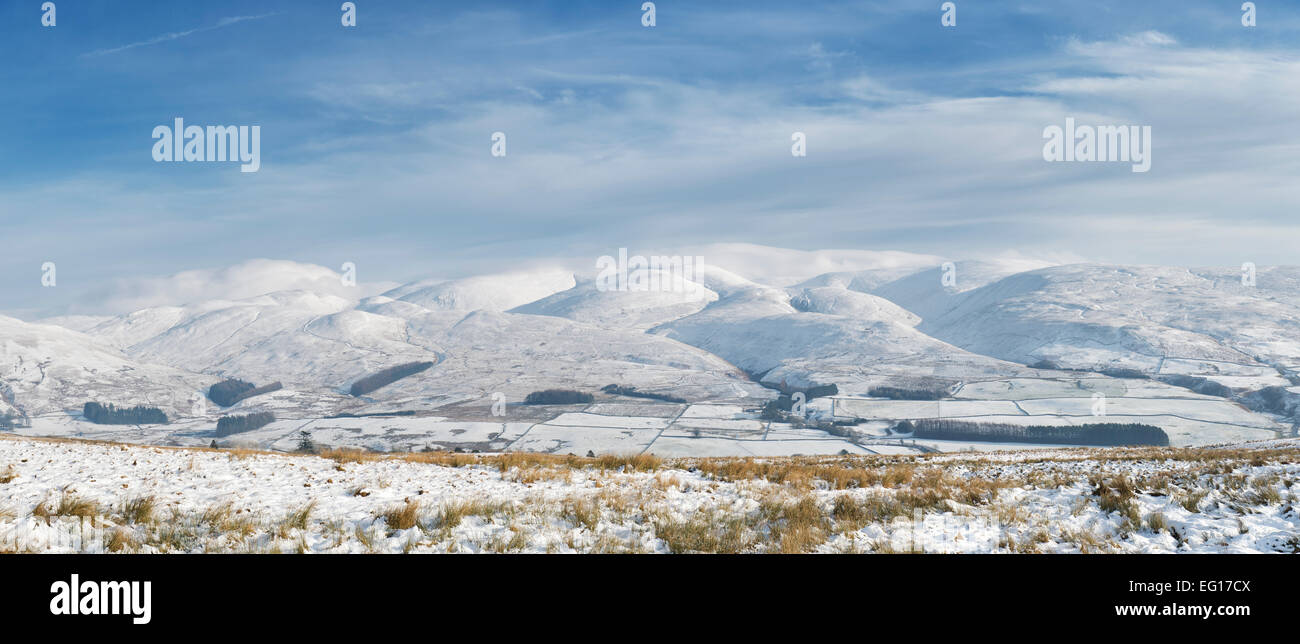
point(630, 462)
point(452, 514)
point(704, 532)
point(581, 512)
point(801, 501)
point(839, 473)
point(140, 509)
point(299, 519)
point(216, 515)
point(8, 474)
point(1115, 494)
point(121, 540)
point(530, 475)
point(853, 513)
point(794, 525)
point(516, 541)
point(402, 517)
point(67, 505)
point(1191, 500)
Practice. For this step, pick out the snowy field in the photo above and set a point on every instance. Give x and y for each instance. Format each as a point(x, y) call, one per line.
point(1189, 418)
point(61, 496)
point(618, 427)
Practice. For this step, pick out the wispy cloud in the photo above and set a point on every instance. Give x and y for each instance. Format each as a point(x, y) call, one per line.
point(175, 35)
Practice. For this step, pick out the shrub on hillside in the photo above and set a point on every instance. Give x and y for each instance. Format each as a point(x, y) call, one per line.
point(305, 443)
point(387, 376)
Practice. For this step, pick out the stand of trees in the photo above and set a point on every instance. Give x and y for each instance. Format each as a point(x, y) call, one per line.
point(387, 376)
point(1198, 384)
point(1123, 372)
point(631, 391)
point(898, 393)
point(227, 392)
point(227, 425)
point(1275, 400)
point(821, 391)
point(558, 397)
point(111, 415)
point(1100, 434)
point(233, 390)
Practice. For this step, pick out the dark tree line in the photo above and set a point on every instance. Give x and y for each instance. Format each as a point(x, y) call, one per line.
point(227, 392)
point(1198, 384)
point(632, 391)
point(233, 390)
point(1124, 372)
point(111, 415)
point(227, 425)
point(387, 376)
point(899, 393)
point(558, 397)
point(1276, 400)
point(821, 391)
point(1101, 434)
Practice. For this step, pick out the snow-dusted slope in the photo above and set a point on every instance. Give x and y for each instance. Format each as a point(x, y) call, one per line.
point(492, 292)
point(852, 304)
point(935, 291)
point(585, 302)
point(1154, 319)
point(321, 344)
point(826, 335)
point(780, 267)
point(48, 370)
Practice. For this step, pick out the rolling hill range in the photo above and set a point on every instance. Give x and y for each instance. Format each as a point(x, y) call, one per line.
point(1017, 341)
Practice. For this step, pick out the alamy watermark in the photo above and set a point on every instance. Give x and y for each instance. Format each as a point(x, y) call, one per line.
point(1103, 143)
point(655, 273)
point(212, 143)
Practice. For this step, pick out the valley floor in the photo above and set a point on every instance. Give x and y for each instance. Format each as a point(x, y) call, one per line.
point(63, 495)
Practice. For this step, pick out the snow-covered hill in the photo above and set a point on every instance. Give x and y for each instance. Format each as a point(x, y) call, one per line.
point(51, 371)
point(1158, 320)
point(752, 321)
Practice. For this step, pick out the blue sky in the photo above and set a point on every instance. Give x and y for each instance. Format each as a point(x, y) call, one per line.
point(375, 140)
